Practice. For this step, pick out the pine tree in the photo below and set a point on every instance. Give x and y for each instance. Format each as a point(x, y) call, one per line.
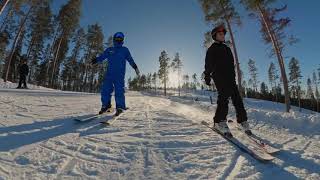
point(154, 81)
point(164, 70)
point(254, 73)
point(68, 20)
point(263, 89)
point(318, 93)
point(94, 46)
point(244, 86)
point(272, 31)
point(195, 81)
point(177, 66)
point(319, 75)
point(142, 81)
point(186, 81)
point(41, 29)
point(74, 75)
point(310, 94)
point(41, 75)
point(273, 77)
point(15, 62)
point(294, 77)
point(250, 87)
point(4, 41)
point(315, 83)
point(149, 80)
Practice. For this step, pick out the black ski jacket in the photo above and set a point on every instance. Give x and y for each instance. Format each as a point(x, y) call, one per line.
point(219, 65)
point(24, 69)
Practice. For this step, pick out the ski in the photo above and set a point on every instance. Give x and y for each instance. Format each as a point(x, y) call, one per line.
point(96, 116)
point(113, 119)
point(88, 118)
point(254, 138)
point(256, 152)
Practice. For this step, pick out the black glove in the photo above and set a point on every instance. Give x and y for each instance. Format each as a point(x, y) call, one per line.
point(135, 67)
point(208, 80)
point(137, 72)
point(94, 61)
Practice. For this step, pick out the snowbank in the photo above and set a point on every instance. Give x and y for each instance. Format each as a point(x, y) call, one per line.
point(11, 85)
point(306, 122)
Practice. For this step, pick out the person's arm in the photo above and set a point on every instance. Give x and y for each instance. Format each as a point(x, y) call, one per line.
point(209, 63)
point(101, 57)
point(209, 66)
point(132, 63)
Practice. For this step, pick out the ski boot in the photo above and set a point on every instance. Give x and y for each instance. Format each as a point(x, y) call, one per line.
point(223, 128)
point(119, 111)
point(245, 127)
point(105, 109)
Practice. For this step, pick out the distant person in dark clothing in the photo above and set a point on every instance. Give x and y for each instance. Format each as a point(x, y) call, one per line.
point(23, 71)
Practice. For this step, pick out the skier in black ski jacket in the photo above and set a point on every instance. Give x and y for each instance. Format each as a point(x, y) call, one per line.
point(23, 71)
point(219, 66)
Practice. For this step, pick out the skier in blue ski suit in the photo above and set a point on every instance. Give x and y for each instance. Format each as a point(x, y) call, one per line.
point(115, 74)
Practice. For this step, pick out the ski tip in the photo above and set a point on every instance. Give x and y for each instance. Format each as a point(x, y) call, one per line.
point(274, 151)
point(105, 123)
point(268, 159)
point(80, 120)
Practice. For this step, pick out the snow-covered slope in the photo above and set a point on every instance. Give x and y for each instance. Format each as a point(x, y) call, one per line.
point(157, 138)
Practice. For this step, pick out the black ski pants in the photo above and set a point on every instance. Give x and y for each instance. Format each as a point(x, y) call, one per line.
point(22, 80)
point(226, 91)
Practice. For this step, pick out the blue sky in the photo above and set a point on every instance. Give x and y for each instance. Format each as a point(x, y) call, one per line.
point(151, 26)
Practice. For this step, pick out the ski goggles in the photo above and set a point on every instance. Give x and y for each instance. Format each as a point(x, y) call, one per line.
point(118, 39)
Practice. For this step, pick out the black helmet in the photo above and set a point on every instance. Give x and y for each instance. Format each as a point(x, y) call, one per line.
point(217, 29)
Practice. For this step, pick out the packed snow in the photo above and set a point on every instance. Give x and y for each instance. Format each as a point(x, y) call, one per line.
point(157, 138)
point(11, 85)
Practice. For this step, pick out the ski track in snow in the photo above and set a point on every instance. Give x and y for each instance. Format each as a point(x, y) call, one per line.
point(157, 138)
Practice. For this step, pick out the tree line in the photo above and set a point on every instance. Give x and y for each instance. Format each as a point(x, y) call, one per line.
point(57, 48)
point(163, 79)
point(304, 94)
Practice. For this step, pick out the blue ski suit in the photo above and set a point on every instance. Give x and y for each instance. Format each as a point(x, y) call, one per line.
point(115, 74)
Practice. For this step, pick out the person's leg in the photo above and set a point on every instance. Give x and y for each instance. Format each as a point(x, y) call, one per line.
point(24, 80)
point(238, 104)
point(20, 81)
point(119, 93)
point(106, 91)
point(222, 107)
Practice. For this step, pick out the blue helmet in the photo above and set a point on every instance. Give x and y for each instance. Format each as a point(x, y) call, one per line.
point(118, 39)
point(118, 35)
